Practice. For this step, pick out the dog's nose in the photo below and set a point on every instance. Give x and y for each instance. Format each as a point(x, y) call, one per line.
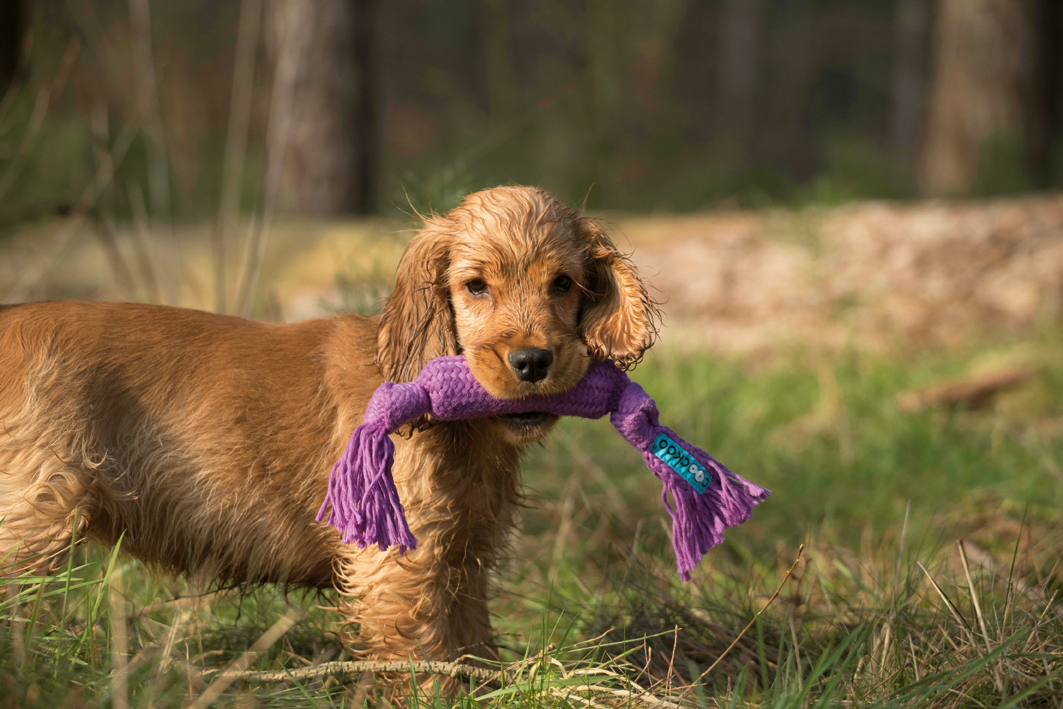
point(531, 363)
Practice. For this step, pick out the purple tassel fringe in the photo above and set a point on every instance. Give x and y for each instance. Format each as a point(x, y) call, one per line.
point(365, 504)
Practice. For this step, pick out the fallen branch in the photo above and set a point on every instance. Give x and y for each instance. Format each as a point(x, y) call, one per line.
point(970, 393)
point(766, 606)
point(355, 667)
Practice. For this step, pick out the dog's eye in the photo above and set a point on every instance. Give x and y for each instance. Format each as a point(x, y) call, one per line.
point(562, 285)
point(476, 287)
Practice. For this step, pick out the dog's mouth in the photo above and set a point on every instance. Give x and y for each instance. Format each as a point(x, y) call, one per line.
point(525, 420)
point(522, 429)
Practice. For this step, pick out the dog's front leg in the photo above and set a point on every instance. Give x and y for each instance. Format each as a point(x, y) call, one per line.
point(459, 487)
point(418, 606)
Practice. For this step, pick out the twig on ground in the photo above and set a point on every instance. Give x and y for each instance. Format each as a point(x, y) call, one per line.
point(357, 667)
point(775, 595)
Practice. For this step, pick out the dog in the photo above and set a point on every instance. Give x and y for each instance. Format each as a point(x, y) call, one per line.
point(204, 442)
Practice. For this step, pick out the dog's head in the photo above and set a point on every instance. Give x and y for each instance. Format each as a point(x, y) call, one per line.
point(529, 290)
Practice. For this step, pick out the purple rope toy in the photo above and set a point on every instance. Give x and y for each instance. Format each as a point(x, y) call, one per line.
point(366, 509)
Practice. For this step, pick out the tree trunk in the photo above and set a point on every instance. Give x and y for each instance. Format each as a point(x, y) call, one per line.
point(911, 71)
point(1047, 144)
point(324, 52)
point(12, 16)
point(782, 135)
point(977, 114)
point(740, 33)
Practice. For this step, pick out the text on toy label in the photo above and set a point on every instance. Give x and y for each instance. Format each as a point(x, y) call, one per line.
point(681, 462)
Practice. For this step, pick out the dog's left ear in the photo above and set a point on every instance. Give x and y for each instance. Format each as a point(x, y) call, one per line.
point(619, 318)
point(418, 322)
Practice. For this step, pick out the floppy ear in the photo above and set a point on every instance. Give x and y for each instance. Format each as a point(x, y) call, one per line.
point(619, 319)
point(418, 322)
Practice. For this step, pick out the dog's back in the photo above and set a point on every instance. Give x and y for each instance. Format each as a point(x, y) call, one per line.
point(203, 439)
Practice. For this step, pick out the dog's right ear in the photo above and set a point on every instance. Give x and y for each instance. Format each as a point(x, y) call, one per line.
point(418, 321)
point(619, 318)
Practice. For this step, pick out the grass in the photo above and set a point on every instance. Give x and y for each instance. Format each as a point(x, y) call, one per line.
point(885, 607)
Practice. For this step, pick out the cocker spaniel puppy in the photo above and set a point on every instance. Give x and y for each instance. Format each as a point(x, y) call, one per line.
point(205, 441)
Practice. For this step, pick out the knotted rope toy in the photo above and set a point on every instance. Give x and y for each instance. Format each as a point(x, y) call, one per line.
point(366, 509)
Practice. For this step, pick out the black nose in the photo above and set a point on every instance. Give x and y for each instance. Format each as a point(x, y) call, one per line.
point(531, 364)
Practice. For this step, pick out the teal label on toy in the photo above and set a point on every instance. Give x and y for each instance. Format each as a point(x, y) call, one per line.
point(682, 462)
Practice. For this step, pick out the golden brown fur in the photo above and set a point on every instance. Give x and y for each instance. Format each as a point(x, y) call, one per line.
point(207, 440)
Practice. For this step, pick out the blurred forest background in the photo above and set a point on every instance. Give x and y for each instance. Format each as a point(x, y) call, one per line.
point(354, 106)
point(224, 154)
